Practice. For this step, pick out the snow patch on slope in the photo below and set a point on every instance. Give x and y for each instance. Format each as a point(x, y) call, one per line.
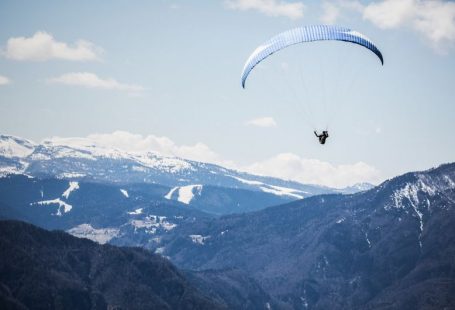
point(125, 193)
point(367, 239)
point(198, 239)
point(281, 191)
point(247, 181)
point(72, 187)
point(185, 193)
point(341, 220)
point(272, 189)
point(136, 212)
point(101, 235)
point(62, 206)
point(171, 192)
point(409, 193)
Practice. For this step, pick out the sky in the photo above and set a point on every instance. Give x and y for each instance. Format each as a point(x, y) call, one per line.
point(165, 76)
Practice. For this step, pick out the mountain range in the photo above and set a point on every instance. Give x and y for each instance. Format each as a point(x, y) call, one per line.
point(389, 247)
point(386, 247)
point(81, 159)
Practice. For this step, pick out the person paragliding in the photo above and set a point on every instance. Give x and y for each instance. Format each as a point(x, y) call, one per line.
point(303, 35)
point(322, 137)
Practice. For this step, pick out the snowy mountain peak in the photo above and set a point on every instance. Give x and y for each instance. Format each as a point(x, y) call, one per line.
point(85, 148)
point(358, 187)
point(11, 146)
point(417, 185)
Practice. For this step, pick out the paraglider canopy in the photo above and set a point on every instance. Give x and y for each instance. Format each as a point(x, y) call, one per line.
point(306, 34)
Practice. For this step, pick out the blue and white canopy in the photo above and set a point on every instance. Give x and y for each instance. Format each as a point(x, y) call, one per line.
point(306, 34)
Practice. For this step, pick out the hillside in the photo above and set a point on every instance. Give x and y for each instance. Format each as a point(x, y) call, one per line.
point(53, 270)
point(391, 246)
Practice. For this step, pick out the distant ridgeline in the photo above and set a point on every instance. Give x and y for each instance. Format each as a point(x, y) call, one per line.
point(207, 187)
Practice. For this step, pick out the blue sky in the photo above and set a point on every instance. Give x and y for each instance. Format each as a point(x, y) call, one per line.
point(165, 75)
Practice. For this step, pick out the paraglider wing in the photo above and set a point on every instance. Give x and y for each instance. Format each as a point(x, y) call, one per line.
point(306, 34)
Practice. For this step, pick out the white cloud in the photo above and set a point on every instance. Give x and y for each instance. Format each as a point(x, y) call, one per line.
point(91, 80)
point(433, 19)
point(42, 46)
point(292, 10)
point(389, 14)
point(126, 141)
point(330, 13)
point(354, 5)
point(314, 171)
point(262, 122)
point(4, 80)
point(436, 20)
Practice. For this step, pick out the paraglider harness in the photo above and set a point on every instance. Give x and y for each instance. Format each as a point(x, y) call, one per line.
point(322, 137)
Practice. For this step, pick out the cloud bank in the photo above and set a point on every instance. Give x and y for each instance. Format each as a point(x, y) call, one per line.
point(285, 165)
point(293, 167)
point(91, 80)
point(42, 46)
point(275, 8)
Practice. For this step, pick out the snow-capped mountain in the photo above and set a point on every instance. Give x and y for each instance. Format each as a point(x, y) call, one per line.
point(82, 159)
point(12, 152)
point(388, 247)
point(11, 147)
point(358, 187)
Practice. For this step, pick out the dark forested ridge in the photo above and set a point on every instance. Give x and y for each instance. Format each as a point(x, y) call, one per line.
point(53, 270)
